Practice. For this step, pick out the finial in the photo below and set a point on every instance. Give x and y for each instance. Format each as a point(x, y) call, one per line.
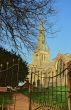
point(59, 52)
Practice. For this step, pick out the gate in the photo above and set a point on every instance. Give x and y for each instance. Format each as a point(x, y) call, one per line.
point(8, 82)
point(56, 96)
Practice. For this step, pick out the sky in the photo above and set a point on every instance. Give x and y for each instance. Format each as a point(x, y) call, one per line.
point(62, 40)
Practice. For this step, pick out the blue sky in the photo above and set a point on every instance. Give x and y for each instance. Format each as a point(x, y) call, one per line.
point(62, 40)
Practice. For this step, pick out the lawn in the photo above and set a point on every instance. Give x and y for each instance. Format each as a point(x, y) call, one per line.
point(56, 96)
point(5, 98)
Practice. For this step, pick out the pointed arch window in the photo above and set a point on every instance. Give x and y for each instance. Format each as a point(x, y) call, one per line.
point(43, 57)
point(60, 66)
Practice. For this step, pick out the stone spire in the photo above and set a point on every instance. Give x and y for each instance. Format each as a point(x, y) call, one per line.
point(41, 39)
point(41, 56)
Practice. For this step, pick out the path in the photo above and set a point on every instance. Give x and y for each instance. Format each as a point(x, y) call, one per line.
point(20, 102)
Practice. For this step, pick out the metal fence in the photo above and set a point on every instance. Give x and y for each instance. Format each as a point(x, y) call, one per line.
point(54, 96)
point(51, 93)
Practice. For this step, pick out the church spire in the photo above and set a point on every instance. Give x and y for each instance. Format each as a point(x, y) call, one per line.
point(41, 39)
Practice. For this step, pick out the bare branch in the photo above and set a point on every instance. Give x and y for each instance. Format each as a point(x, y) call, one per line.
point(19, 20)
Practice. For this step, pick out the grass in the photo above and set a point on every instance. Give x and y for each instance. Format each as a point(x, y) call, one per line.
point(5, 98)
point(56, 96)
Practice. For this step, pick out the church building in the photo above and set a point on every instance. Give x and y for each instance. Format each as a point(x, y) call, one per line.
point(42, 68)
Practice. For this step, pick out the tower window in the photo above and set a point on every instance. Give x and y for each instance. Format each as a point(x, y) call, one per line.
point(36, 54)
point(43, 57)
point(60, 66)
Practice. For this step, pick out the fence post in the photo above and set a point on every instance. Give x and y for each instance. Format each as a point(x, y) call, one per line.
point(30, 91)
point(69, 84)
point(3, 103)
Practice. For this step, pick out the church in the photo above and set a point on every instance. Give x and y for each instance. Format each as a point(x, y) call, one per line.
point(42, 68)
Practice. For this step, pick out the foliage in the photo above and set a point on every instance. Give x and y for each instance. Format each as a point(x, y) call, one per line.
point(15, 68)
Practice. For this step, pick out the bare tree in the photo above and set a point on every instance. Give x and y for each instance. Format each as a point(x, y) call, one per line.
point(19, 20)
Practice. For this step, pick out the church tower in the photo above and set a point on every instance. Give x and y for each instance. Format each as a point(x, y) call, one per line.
point(41, 56)
point(40, 61)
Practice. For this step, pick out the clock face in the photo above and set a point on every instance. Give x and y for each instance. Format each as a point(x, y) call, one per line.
point(36, 54)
